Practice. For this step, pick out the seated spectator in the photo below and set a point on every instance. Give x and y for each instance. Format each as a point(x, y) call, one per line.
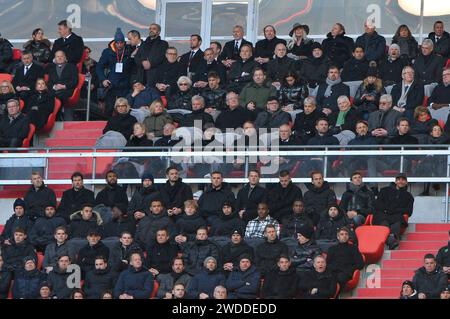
point(392, 203)
point(39, 105)
point(39, 46)
point(43, 230)
point(358, 200)
point(178, 292)
point(198, 113)
point(144, 195)
point(220, 292)
point(282, 281)
point(403, 136)
point(356, 68)
point(441, 93)
point(19, 248)
point(282, 196)
point(214, 95)
point(293, 92)
point(182, 98)
point(445, 293)
point(343, 123)
point(256, 228)
point(119, 254)
point(7, 93)
point(227, 222)
point(203, 283)
point(168, 282)
point(232, 251)
point(441, 39)
point(299, 47)
point(120, 222)
point(99, 279)
point(330, 223)
point(363, 137)
point(268, 252)
point(407, 95)
point(160, 253)
point(264, 48)
point(122, 121)
point(422, 124)
point(58, 276)
point(168, 73)
point(328, 92)
point(141, 95)
point(83, 221)
point(7, 54)
point(94, 247)
point(27, 280)
point(5, 279)
point(373, 43)
point(319, 197)
point(159, 117)
point(230, 52)
point(54, 250)
point(443, 258)
point(111, 195)
point(250, 196)
point(383, 123)
point(314, 68)
point(273, 116)
point(297, 219)
point(243, 282)
point(428, 65)
point(305, 122)
point(189, 222)
point(303, 253)
point(391, 67)
point(20, 219)
point(318, 283)
point(280, 65)
point(405, 40)
point(241, 71)
point(26, 75)
point(77, 294)
point(429, 280)
point(235, 116)
point(174, 192)
point(367, 96)
point(135, 282)
point(211, 202)
point(323, 135)
point(194, 252)
point(14, 125)
point(45, 291)
point(254, 95)
point(408, 291)
point(72, 199)
point(344, 258)
point(209, 64)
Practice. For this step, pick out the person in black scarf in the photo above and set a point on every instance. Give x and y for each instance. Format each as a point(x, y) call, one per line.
point(314, 69)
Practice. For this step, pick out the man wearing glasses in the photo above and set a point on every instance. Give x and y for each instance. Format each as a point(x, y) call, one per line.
point(14, 127)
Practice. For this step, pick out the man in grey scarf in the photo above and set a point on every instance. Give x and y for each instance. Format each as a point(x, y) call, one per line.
point(328, 92)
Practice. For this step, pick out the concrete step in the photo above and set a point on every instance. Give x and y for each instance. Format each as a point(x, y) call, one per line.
point(76, 134)
point(433, 228)
point(432, 246)
point(85, 125)
point(408, 254)
point(402, 264)
point(441, 236)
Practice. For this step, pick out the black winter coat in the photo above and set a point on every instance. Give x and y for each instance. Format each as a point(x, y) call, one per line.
point(302, 256)
point(43, 230)
point(441, 47)
point(443, 256)
point(122, 123)
point(317, 200)
point(176, 195)
point(314, 70)
point(147, 227)
point(292, 223)
point(243, 284)
point(14, 254)
point(355, 70)
point(135, 282)
point(118, 253)
point(280, 284)
point(115, 227)
point(428, 69)
point(98, 281)
point(87, 255)
point(73, 48)
point(111, 196)
point(338, 49)
point(278, 68)
point(250, 203)
point(232, 252)
point(361, 200)
point(13, 133)
point(27, 284)
point(267, 254)
point(215, 98)
point(57, 278)
point(225, 225)
point(327, 227)
point(40, 50)
point(14, 222)
point(187, 225)
point(364, 105)
point(79, 227)
point(5, 282)
point(431, 284)
point(305, 124)
point(391, 71)
point(160, 256)
point(374, 46)
point(350, 120)
point(392, 204)
point(344, 258)
point(325, 283)
point(281, 200)
point(211, 201)
point(294, 94)
point(142, 198)
point(331, 102)
point(72, 201)
point(181, 100)
point(195, 252)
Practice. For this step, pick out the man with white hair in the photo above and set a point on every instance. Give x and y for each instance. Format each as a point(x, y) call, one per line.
point(428, 66)
point(374, 44)
point(391, 68)
point(408, 94)
point(383, 123)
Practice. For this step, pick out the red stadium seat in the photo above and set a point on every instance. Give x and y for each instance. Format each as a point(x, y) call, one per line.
point(425, 101)
point(441, 123)
point(80, 64)
point(6, 77)
point(51, 118)
point(336, 295)
point(46, 77)
point(155, 289)
point(17, 54)
point(369, 220)
point(27, 140)
point(1, 228)
point(447, 65)
point(403, 229)
point(73, 100)
point(353, 283)
point(21, 104)
point(164, 101)
point(371, 241)
point(40, 260)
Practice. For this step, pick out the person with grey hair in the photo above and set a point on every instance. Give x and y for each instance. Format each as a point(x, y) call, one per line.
point(231, 49)
point(14, 126)
point(220, 292)
point(202, 284)
point(390, 69)
point(408, 94)
point(182, 99)
point(441, 39)
point(305, 122)
point(428, 65)
point(383, 123)
point(235, 116)
point(343, 123)
point(198, 114)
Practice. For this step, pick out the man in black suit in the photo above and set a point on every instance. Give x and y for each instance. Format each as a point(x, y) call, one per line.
point(329, 91)
point(14, 126)
point(62, 81)
point(441, 40)
point(193, 59)
point(135, 42)
point(69, 42)
point(230, 52)
point(151, 55)
point(26, 75)
point(250, 196)
point(200, 79)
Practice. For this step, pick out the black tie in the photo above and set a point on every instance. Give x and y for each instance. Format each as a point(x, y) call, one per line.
point(192, 55)
point(26, 70)
point(406, 88)
point(236, 47)
point(437, 39)
point(250, 191)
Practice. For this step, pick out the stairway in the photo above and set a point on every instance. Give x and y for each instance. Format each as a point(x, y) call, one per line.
point(399, 265)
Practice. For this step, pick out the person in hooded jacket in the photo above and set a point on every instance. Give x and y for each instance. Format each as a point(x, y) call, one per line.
point(282, 281)
point(243, 282)
point(39, 46)
point(120, 222)
point(318, 197)
point(268, 252)
point(144, 195)
point(429, 280)
point(408, 291)
point(100, 279)
point(38, 196)
point(19, 248)
point(302, 255)
point(227, 222)
point(189, 222)
point(337, 46)
point(203, 283)
point(84, 221)
point(87, 255)
point(318, 283)
point(293, 222)
point(27, 280)
point(233, 250)
point(314, 69)
point(161, 253)
point(344, 258)
point(5, 279)
point(18, 220)
point(44, 228)
point(330, 223)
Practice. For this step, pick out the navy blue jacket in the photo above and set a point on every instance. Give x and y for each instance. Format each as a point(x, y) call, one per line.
point(27, 284)
point(43, 230)
point(374, 46)
point(205, 282)
point(108, 61)
point(135, 282)
point(243, 284)
point(144, 98)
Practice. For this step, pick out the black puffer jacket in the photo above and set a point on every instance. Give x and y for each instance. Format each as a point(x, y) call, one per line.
point(344, 258)
point(87, 255)
point(214, 98)
point(73, 200)
point(305, 124)
point(142, 198)
point(181, 100)
point(317, 200)
point(325, 283)
point(79, 227)
point(431, 284)
point(175, 195)
point(355, 70)
point(27, 284)
point(280, 284)
point(232, 252)
point(211, 202)
point(39, 49)
point(160, 256)
point(115, 227)
point(112, 195)
point(14, 222)
point(279, 67)
point(338, 49)
point(147, 227)
point(328, 226)
point(38, 199)
point(14, 254)
point(99, 280)
point(43, 230)
point(267, 254)
point(281, 200)
point(314, 70)
point(195, 252)
point(360, 199)
point(225, 225)
point(292, 223)
point(122, 123)
point(302, 256)
point(187, 225)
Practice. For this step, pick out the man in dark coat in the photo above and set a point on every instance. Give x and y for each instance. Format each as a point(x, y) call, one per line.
point(6, 54)
point(282, 281)
point(232, 251)
point(344, 258)
point(188, 222)
point(314, 69)
point(265, 48)
point(14, 253)
point(441, 93)
point(44, 228)
point(392, 203)
point(278, 68)
point(318, 283)
point(227, 222)
point(337, 46)
point(168, 73)
point(144, 195)
point(141, 95)
point(318, 197)
point(443, 258)
point(111, 195)
point(195, 252)
point(84, 221)
point(306, 248)
point(5, 279)
point(59, 247)
point(62, 77)
point(27, 280)
point(14, 126)
point(374, 44)
point(119, 254)
point(19, 219)
point(241, 71)
point(150, 57)
point(192, 60)
point(198, 113)
point(209, 64)
point(305, 122)
point(390, 69)
point(273, 116)
point(87, 255)
point(72, 199)
point(250, 196)
point(120, 222)
point(356, 68)
point(38, 197)
point(282, 196)
point(174, 192)
point(383, 123)
point(26, 75)
point(168, 281)
point(243, 282)
point(70, 43)
point(329, 224)
point(429, 280)
point(268, 252)
point(135, 282)
point(231, 49)
point(100, 279)
point(160, 253)
point(58, 277)
point(428, 66)
point(235, 116)
point(441, 39)
point(297, 219)
point(328, 92)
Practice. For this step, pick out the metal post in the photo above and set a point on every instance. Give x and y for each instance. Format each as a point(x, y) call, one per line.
point(46, 165)
point(325, 164)
point(88, 106)
point(446, 190)
point(94, 168)
point(401, 161)
point(422, 7)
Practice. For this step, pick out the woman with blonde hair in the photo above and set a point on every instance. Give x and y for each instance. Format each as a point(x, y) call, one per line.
point(159, 117)
point(122, 121)
point(7, 92)
point(368, 94)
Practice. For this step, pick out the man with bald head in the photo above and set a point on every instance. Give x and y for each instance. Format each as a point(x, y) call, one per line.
point(374, 44)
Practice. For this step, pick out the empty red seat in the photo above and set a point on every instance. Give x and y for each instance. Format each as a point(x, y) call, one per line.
point(1, 228)
point(17, 54)
point(6, 77)
point(27, 141)
point(155, 289)
point(73, 100)
point(371, 241)
point(353, 283)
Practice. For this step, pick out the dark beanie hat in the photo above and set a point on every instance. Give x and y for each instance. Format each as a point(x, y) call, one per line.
point(306, 231)
point(45, 284)
point(316, 45)
point(409, 283)
point(19, 202)
point(372, 71)
point(119, 37)
point(28, 258)
point(148, 176)
point(245, 256)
